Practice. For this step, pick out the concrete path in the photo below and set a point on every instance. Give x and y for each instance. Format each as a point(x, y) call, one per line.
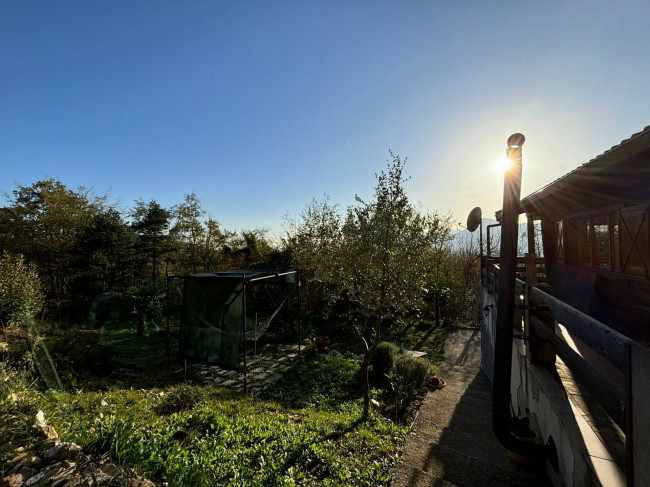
point(451, 442)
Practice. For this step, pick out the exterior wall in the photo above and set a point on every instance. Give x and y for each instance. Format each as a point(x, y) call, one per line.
point(488, 326)
point(582, 458)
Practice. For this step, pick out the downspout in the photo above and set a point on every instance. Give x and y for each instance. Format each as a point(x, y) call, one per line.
point(505, 312)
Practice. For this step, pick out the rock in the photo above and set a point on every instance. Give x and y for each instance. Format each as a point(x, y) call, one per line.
point(104, 404)
point(31, 462)
point(375, 404)
point(44, 474)
point(14, 480)
point(63, 451)
point(28, 472)
point(47, 444)
point(49, 433)
point(140, 482)
point(40, 420)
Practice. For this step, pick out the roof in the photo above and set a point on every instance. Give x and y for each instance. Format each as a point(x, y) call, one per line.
point(246, 274)
point(620, 175)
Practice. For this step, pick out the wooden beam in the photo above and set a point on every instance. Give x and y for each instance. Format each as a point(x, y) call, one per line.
point(609, 343)
point(597, 385)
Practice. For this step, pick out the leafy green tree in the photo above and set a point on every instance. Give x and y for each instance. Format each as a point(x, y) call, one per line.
point(146, 303)
point(151, 223)
point(385, 246)
point(188, 231)
point(44, 222)
point(314, 239)
point(106, 254)
point(20, 291)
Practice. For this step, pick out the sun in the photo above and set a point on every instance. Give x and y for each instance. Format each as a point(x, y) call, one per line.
point(503, 164)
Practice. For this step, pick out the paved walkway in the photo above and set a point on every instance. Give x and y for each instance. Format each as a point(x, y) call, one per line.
point(263, 370)
point(451, 442)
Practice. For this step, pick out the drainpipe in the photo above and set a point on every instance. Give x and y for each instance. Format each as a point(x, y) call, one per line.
point(505, 311)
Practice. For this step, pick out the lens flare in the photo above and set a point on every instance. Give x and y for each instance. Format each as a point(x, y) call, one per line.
point(503, 164)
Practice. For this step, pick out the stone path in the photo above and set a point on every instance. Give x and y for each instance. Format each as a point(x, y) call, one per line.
point(451, 442)
point(263, 370)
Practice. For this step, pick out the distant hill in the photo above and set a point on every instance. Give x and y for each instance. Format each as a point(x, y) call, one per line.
point(462, 238)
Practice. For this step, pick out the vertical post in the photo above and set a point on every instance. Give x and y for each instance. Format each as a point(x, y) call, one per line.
point(530, 257)
point(505, 306)
point(637, 418)
point(299, 316)
point(244, 328)
point(167, 277)
point(480, 239)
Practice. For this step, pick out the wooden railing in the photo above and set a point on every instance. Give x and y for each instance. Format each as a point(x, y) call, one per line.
point(626, 402)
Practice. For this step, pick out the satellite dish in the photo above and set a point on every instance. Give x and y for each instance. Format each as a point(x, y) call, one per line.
point(474, 219)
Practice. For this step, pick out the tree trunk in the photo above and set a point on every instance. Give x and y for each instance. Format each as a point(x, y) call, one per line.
point(142, 325)
point(365, 383)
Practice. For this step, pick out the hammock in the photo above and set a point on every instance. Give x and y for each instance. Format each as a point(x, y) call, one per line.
point(259, 330)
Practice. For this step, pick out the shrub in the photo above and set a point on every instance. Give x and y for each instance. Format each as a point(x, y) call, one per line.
point(183, 398)
point(383, 359)
point(411, 369)
point(20, 291)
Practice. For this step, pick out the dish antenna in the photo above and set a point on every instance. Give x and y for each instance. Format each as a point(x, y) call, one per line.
point(474, 219)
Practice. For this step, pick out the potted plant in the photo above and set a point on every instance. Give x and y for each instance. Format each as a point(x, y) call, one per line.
point(434, 382)
point(322, 342)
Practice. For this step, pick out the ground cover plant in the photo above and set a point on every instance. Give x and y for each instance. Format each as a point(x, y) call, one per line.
point(308, 429)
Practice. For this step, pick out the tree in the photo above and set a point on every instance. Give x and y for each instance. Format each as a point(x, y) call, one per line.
point(150, 222)
point(385, 246)
point(105, 254)
point(314, 239)
point(20, 291)
point(44, 222)
point(188, 230)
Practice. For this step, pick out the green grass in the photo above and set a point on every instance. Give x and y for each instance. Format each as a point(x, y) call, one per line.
point(306, 430)
point(418, 335)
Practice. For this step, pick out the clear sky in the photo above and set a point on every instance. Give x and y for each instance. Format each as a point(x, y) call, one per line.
point(260, 106)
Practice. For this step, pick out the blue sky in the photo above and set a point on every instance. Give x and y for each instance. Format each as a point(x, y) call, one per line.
point(259, 106)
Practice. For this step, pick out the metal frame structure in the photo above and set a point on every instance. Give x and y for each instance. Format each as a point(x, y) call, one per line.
point(246, 277)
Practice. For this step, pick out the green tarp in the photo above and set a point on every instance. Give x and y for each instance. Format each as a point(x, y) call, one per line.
point(212, 315)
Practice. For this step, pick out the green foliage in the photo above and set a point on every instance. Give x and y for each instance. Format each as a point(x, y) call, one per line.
point(405, 393)
point(324, 381)
point(182, 398)
point(412, 369)
point(20, 291)
point(383, 359)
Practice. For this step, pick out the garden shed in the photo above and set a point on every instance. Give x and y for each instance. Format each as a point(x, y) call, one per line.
point(221, 311)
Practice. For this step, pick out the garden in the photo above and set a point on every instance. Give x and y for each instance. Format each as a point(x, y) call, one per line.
point(102, 397)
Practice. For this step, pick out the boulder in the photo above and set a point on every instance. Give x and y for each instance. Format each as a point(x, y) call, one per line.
point(63, 451)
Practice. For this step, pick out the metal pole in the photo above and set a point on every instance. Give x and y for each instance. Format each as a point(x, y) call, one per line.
point(167, 277)
point(299, 318)
point(506, 311)
point(244, 334)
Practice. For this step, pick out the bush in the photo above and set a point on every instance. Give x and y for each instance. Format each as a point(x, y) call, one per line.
point(411, 369)
point(383, 359)
point(20, 291)
point(183, 398)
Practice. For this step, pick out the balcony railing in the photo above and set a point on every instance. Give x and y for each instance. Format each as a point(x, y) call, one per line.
point(610, 366)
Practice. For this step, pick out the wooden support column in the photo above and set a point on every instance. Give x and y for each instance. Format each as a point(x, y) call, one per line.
point(541, 349)
point(638, 420)
point(529, 257)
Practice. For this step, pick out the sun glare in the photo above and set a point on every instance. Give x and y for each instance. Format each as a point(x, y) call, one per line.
point(503, 164)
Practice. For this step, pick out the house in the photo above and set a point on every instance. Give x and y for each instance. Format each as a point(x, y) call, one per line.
point(569, 351)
